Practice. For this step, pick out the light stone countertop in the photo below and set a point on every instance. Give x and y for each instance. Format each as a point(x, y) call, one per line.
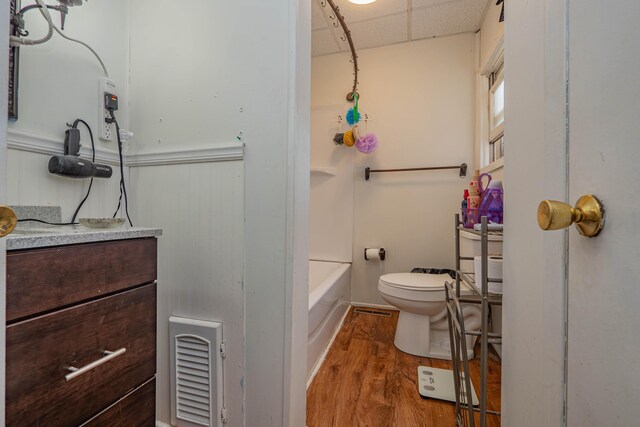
point(31, 234)
point(41, 236)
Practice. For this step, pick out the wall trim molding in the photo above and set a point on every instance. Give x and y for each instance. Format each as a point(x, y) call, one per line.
point(32, 143)
point(194, 154)
point(25, 141)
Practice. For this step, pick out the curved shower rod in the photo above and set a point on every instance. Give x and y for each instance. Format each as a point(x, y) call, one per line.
point(347, 37)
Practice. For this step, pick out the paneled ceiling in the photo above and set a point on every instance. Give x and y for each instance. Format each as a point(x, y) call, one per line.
point(387, 22)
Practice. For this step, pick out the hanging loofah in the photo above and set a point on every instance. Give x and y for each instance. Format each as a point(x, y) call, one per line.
point(339, 138)
point(348, 139)
point(356, 132)
point(368, 143)
point(351, 119)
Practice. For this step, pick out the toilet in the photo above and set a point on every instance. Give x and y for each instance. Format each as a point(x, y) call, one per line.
point(423, 329)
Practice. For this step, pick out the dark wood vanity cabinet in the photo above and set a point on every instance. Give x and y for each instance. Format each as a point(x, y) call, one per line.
point(81, 335)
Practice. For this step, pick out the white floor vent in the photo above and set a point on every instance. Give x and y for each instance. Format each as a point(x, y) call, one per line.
point(197, 350)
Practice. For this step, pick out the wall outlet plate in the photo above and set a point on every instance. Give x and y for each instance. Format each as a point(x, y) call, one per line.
point(107, 130)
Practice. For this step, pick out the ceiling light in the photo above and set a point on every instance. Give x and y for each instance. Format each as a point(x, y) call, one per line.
point(362, 1)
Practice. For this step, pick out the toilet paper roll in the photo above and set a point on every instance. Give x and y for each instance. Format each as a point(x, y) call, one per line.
point(374, 253)
point(494, 268)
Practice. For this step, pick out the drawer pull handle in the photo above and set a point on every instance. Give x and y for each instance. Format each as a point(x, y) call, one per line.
point(108, 355)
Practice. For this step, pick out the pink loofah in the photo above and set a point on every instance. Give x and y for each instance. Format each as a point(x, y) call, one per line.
point(368, 143)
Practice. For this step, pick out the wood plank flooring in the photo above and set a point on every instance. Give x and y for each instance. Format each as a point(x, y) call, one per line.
point(366, 381)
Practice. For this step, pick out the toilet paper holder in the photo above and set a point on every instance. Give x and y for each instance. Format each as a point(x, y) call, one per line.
point(381, 254)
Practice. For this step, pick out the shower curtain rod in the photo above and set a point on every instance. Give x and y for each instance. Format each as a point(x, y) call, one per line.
point(337, 15)
point(462, 168)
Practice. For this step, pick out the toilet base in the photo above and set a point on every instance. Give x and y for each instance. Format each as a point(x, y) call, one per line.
point(415, 336)
point(412, 333)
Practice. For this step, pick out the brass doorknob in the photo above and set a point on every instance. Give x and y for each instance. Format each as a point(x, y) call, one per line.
point(8, 220)
point(588, 215)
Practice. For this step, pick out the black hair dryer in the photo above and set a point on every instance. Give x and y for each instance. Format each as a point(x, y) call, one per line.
point(75, 167)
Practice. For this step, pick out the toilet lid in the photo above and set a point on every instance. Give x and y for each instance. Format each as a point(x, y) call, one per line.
point(416, 281)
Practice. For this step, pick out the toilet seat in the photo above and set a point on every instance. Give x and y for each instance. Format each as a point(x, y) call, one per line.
point(416, 281)
point(417, 286)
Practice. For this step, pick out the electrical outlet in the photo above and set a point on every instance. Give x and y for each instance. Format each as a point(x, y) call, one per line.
point(107, 130)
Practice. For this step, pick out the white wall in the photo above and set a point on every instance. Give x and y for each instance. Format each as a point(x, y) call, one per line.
point(59, 83)
point(199, 206)
point(421, 95)
point(181, 69)
point(211, 74)
point(331, 204)
point(200, 209)
point(59, 79)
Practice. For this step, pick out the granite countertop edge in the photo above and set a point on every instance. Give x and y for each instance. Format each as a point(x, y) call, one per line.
point(70, 236)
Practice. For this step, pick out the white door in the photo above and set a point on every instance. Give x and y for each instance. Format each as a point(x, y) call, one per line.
point(4, 67)
point(571, 318)
point(604, 159)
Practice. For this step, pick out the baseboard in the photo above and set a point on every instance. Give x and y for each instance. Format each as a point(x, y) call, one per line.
point(380, 306)
point(161, 424)
point(323, 356)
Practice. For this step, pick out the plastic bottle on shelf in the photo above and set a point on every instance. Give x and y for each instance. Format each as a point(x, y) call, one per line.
point(465, 205)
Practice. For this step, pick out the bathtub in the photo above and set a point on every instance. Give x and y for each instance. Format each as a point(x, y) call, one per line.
point(329, 295)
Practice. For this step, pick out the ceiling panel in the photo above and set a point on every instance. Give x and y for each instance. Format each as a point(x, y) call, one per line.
point(447, 18)
point(323, 42)
point(386, 22)
point(380, 32)
point(359, 12)
point(427, 3)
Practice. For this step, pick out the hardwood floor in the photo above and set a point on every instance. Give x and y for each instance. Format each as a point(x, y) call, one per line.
point(366, 381)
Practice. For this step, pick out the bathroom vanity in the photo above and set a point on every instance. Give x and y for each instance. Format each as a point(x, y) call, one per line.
point(81, 327)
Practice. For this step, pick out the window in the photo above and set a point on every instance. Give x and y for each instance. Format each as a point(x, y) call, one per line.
point(496, 114)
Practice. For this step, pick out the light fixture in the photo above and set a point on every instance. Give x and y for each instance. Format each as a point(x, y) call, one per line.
point(362, 1)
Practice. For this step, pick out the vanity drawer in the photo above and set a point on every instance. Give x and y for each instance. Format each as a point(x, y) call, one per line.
point(40, 280)
point(40, 350)
point(137, 409)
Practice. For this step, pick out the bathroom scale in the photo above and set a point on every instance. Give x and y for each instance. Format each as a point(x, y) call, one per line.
point(438, 384)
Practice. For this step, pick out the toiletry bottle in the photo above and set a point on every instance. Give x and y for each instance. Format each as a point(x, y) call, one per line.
point(473, 184)
point(464, 207)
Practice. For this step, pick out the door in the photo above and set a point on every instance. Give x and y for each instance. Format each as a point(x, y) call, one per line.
point(571, 318)
point(4, 69)
point(603, 374)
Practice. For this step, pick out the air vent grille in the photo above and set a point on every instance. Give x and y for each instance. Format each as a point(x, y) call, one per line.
point(196, 366)
point(193, 378)
point(359, 310)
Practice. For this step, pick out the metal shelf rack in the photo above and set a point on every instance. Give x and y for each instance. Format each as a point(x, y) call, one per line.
point(465, 410)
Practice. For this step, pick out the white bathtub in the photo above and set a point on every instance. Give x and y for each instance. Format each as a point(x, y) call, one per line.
point(329, 295)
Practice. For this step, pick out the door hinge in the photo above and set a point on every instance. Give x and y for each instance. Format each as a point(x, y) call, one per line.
point(223, 415)
point(223, 349)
